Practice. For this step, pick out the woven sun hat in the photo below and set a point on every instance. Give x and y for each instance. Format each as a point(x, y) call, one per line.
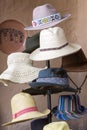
point(46, 16)
point(12, 36)
point(32, 43)
point(53, 44)
point(51, 78)
point(76, 62)
point(24, 108)
point(60, 125)
point(20, 69)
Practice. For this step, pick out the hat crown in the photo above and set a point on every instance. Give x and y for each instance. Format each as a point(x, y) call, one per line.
point(18, 57)
point(22, 101)
point(62, 125)
point(52, 38)
point(43, 11)
point(53, 72)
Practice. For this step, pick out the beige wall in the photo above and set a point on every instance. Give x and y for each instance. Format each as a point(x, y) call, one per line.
point(76, 31)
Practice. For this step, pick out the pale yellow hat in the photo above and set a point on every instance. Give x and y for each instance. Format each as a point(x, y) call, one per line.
point(61, 125)
point(24, 108)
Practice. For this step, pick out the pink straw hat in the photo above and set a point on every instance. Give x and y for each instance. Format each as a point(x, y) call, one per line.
point(46, 16)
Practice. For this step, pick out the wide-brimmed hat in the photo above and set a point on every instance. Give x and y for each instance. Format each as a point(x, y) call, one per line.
point(20, 69)
point(51, 78)
point(32, 43)
point(53, 44)
point(59, 125)
point(46, 16)
point(76, 62)
point(24, 108)
point(12, 36)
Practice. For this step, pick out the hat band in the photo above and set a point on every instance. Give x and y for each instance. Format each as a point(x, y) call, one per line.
point(56, 48)
point(55, 80)
point(30, 109)
point(46, 20)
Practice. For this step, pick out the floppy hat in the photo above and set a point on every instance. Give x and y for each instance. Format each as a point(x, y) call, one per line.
point(12, 36)
point(51, 78)
point(32, 43)
point(46, 16)
point(24, 108)
point(53, 44)
point(20, 69)
point(60, 125)
point(76, 62)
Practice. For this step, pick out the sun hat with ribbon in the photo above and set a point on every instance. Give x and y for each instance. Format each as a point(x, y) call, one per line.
point(51, 78)
point(53, 44)
point(59, 125)
point(20, 69)
point(76, 62)
point(32, 43)
point(24, 108)
point(46, 16)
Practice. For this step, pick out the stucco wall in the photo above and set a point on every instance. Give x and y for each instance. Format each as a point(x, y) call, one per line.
point(76, 31)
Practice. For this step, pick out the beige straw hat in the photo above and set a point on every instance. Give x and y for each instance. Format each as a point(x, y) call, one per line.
point(61, 125)
point(24, 108)
point(53, 44)
point(20, 69)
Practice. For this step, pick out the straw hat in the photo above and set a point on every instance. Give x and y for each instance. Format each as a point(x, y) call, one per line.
point(12, 36)
point(60, 125)
point(76, 62)
point(53, 44)
point(46, 16)
point(24, 108)
point(20, 69)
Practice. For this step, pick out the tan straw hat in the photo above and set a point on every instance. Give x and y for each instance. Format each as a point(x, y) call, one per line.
point(53, 44)
point(20, 69)
point(24, 108)
point(60, 125)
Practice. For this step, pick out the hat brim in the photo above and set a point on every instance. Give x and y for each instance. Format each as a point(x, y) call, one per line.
point(51, 24)
point(26, 73)
point(28, 116)
point(51, 86)
point(38, 55)
point(76, 67)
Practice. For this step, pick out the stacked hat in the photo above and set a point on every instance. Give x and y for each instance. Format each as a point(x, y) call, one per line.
point(53, 44)
point(20, 69)
point(32, 43)
point(52, 78)
point(46, 16)
point(24, 108)
point(76, 62)
point(60, 125)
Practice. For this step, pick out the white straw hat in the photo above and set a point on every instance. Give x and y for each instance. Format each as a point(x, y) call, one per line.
point(20, 69)
point(53, 44)
point(24, 108)
point(61, 125)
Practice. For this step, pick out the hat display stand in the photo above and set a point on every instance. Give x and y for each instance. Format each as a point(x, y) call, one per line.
point(48, 92)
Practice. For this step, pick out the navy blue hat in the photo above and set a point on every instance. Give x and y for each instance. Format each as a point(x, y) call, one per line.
point(51, 78)
point(38, 124)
